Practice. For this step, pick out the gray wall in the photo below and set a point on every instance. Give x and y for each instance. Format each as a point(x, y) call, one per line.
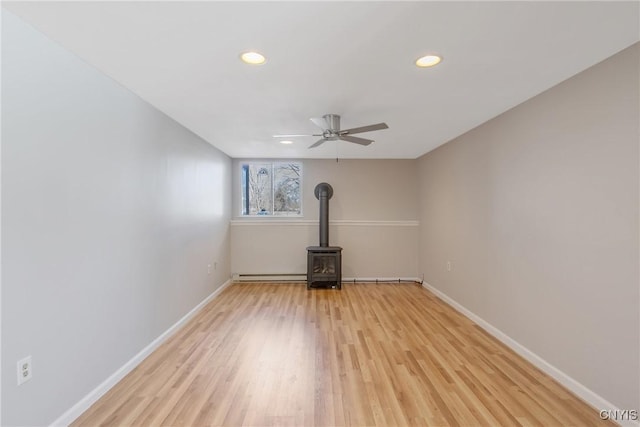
point(111, 212)
point(363, 189)
point(374, 206)
point(537, 211)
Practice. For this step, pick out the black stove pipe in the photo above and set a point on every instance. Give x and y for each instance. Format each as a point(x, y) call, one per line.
point(324, 192)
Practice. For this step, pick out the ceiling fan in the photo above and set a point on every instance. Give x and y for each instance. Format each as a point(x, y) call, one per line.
point(330, 125)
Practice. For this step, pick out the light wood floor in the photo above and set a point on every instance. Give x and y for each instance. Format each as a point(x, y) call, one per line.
point(369, 355)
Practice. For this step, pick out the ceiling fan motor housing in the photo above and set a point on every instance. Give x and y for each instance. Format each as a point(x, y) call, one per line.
point(333, 121)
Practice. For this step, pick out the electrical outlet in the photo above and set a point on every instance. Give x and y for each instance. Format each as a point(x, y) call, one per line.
point(448, 265)
point(209, 269)
point(25, 370)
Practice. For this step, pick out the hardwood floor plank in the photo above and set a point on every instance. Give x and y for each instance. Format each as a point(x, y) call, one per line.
point(370, 355)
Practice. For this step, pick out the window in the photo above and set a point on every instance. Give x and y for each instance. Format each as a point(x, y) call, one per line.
point(272, 189)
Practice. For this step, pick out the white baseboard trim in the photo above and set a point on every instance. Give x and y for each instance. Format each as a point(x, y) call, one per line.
point(85, 403)
point(593, 399)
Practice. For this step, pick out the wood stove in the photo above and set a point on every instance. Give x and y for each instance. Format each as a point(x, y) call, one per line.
point(324, 262)
point(324, 267)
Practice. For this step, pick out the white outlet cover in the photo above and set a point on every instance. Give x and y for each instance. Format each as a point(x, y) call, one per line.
point(25, 370)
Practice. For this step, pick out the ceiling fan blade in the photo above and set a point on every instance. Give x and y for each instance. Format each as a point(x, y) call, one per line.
point(318, 142)
point(296, 135)
point(361, 141)
point(321, 122)
point(368, 128)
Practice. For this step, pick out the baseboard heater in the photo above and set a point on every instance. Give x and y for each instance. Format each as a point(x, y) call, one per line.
point(302, 277)
point(270, 277)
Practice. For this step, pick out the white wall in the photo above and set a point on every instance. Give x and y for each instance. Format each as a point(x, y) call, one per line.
point(373, 215)
point(537, 210)
point(111, 212)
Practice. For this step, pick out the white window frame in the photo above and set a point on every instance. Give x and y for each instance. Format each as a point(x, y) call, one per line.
point(272, 164)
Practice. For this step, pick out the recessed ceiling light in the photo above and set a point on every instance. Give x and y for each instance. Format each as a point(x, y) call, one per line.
point(286, 142)
point(428, 61)
point(253, 58)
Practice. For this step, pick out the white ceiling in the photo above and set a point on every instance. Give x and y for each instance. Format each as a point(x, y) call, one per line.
point(350, 58)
